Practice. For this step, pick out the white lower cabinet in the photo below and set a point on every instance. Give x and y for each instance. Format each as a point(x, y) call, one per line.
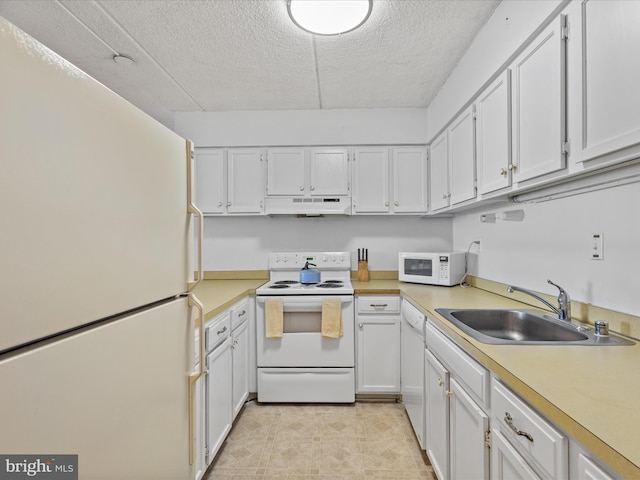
point(506, 462)
point(218, 404)
point(456, 399)
point(468, 424)
point(540, 444)
point(437, 415)
point(240, 365)
point(378, 344)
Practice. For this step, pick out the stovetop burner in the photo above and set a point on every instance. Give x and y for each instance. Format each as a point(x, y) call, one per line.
point(334, 281)
point(285, 282)
point(329, 285)
point(280, 285)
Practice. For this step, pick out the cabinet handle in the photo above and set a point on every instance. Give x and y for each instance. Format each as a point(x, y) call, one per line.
point(378, 305)
point(509, 421)
point(313, 188)
point(440, 382)
point(220, 332)
point(512, 166)
point(228, 204)
point(360, 325)
point(396, 203)
point(444, 196)
point(503, 172)
point(242, 313)
point(302, 188)
point(386, 204)
point(449, 393)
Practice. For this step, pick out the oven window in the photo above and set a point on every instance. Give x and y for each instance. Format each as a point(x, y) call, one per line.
point(302, 322)
point(418, 266)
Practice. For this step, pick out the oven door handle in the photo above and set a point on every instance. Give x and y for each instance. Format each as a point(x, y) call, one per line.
point(304, 303)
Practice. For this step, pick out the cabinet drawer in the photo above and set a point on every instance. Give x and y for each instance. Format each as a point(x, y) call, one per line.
point(239, 313)
point(217, 330)
point(473, 375)
point(532, 436)
point(378, 304)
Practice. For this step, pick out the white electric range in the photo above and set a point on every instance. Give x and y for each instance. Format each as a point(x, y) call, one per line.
point(302, 366)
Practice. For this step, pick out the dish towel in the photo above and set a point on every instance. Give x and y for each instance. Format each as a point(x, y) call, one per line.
point(273, 318)
point(331, 318)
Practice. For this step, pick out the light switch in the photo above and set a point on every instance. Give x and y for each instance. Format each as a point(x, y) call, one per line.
point(597, 252)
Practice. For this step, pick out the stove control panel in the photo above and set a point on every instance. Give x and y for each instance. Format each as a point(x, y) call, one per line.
point(321, 260)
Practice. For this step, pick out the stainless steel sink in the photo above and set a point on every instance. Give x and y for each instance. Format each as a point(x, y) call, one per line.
point(524, 327)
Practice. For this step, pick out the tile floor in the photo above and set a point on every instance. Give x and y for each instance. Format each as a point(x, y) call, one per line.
point(316, 442)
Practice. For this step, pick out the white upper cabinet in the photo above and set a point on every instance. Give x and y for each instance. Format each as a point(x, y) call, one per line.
point(439, 186)
point(211, 180)
point(493, 135)
point(286, 173)
point(605, 44)
point(538, 103)
point(245, 181)
point(384, 173)
point(410, 180)
point(329, 171)
point(230, 182)
point(301, 172)
point(453, 158)
point(371, 180)
point(462, 176)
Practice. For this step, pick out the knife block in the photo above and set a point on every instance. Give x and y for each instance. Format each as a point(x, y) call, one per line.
point(363, 271)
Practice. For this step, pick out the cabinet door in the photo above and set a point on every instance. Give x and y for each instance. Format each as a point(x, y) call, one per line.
point(493, 148)
point(610, 76)
point(439, 187)
point(437, 415)
point(588, 470)
point(371, 180)
point(468, 424)
point(462, 160)
point(218, 404)
point(211, 180)
point(240, 359)
point(286, 172)
point(506, 462)
point(245, 181)
point(378, 354)
point(538, 105)
point(410, 180)
point(329, 171)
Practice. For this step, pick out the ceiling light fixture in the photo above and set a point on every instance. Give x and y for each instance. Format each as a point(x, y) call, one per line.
point(329, 17)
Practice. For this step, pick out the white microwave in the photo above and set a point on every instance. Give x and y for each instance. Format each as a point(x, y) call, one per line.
point(431, 268)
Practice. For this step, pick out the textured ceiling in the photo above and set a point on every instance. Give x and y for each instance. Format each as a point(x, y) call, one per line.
point(217, 55)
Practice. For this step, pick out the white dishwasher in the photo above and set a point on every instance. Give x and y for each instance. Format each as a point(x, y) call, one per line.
point(412, 346)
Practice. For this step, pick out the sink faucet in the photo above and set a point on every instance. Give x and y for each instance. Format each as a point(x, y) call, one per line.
point(564, 302)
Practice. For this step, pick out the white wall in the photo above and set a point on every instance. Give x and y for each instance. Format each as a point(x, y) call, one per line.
point(236, 243)
point(554, 242)
point(304, 127)
point(505, 31)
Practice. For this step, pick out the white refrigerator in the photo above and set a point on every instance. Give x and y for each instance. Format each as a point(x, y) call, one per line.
point(97, 328)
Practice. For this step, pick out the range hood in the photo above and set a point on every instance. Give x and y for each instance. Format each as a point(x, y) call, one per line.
point(309, 206)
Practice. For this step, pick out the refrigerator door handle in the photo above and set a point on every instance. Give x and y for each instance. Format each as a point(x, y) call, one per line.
point(194, 376)
point(192, 208)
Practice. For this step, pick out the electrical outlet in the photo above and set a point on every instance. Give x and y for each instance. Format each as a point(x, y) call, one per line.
point(597, 248)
